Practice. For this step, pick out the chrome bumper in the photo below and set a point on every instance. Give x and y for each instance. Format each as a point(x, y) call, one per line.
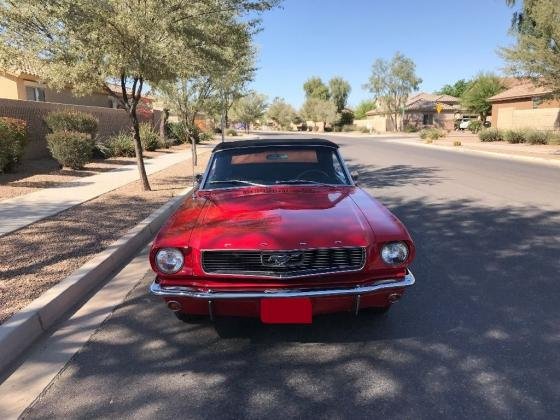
point(189, 292)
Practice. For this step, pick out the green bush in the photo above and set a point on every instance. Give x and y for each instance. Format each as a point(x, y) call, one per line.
point(13, 138)
point(178, 132)
point(456, 143)
point(410, 128)
point(75, 121)
point(364, 130)
point(490, 134)
point(148, 137)
point(348, 128)
point(70, 148)
point(121, 144)
point(538, 137)
point(205, 136)
point(432, 133)
point(515, 136)
point(554, 138)
point(475, 126)
point(231, 132)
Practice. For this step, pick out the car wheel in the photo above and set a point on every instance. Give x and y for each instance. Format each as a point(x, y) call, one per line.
point(188, 318)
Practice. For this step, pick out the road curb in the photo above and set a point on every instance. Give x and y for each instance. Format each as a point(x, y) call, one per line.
point(20, 331)
point(496, 155)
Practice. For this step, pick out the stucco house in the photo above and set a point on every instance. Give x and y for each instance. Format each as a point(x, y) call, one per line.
point(420, 111)
point(26, 85)
point(525, 105)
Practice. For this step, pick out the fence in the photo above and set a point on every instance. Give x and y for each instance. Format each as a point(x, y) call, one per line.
point(111, 121)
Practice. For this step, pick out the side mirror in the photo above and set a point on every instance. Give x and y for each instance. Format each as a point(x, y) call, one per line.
point(197, 179)
point(355, 176)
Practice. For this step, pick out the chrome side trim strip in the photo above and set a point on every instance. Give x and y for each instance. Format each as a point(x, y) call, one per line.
point(189, 292)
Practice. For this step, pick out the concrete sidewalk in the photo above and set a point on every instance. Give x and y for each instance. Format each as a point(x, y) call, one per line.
point(21, 211)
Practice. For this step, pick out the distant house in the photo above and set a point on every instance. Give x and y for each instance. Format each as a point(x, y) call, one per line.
point(525, 105)
point(420, 111)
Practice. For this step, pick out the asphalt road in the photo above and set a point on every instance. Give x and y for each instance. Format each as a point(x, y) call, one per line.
point(477, 337)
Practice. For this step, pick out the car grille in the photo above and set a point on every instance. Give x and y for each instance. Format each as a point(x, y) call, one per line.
point(284, 264)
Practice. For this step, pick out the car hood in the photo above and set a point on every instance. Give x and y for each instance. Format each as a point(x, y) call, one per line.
point(280, 218)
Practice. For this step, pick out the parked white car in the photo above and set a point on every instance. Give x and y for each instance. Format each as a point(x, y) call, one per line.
point(464, 124)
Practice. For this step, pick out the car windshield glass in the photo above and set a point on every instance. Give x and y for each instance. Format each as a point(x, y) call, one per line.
point(299, 165)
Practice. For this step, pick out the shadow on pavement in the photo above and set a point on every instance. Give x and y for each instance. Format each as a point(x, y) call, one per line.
point(476, 337)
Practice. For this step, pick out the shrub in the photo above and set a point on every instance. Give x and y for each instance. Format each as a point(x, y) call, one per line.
point(149, 138)
point(554, 138)
point(456, 143)
point(121, 144)
point(76, 121)
point(432, 133)
point(349, 127)
point(429, 141)
point(364, 130)
point(475, 126)
point(205, 136)
point(13, 138)
point(514, 136)
point(490, 134)
point(231, 132)
point(537, 137)
point(70, 148)
point(410, 129)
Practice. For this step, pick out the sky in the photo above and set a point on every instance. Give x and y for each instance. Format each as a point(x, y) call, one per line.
point(448, 40)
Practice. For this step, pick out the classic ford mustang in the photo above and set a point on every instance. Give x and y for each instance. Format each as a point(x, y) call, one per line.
point(278, 229)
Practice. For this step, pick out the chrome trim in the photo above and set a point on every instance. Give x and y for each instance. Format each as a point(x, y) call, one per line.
point(209, 294)
point(309, 273)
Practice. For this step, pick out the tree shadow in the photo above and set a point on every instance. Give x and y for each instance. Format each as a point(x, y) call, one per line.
point(394, 175)
point(477, 336)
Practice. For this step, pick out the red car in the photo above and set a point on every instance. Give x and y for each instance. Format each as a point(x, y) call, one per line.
point(278, 229)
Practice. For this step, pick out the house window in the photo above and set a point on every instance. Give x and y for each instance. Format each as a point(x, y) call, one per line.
point(428, 119)
point(35, 93)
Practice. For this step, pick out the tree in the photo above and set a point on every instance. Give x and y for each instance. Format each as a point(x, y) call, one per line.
point(249, 108)
point(457, 89)
point(187, 98)
point(281, 112)
point(88, 45)
point(536, 54)
point(391, 82)
point(319, 110)
point(339, 92)
point(362, 108)
point(315, 88)
point(482, 87)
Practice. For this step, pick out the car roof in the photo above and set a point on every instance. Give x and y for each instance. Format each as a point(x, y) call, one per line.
point(274, 142)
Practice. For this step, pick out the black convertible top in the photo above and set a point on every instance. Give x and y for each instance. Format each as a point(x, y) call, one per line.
point(274, 142)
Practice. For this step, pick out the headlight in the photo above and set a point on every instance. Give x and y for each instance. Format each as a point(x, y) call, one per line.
point(169, 260)
point(394, 253)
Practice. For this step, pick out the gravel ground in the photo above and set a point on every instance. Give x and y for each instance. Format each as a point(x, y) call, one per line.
point(45, 173)
point(38, 256)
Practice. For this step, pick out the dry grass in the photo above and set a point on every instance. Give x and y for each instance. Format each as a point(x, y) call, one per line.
point(38, 256)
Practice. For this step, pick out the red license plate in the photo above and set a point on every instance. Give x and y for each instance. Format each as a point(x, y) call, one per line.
point(286, 311)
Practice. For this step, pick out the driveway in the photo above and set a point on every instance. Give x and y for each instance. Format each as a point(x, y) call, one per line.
point(477, 337)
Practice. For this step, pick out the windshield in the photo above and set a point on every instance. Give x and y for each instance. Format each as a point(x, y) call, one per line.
point(300, 165)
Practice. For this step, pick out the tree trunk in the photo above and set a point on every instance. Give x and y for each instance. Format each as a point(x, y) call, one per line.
point(163, 123)
point(139, 152)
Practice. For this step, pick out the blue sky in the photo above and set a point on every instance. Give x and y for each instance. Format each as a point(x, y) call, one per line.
point(448, 40)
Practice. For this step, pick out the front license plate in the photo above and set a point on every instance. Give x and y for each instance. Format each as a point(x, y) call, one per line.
point(286, 311)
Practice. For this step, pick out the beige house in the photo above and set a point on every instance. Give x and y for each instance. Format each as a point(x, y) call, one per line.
point(421, 110)
point(525, 105)
point(27, 86)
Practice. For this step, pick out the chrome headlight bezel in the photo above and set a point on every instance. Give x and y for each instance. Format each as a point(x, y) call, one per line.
point(394, 253)
point(169, 260)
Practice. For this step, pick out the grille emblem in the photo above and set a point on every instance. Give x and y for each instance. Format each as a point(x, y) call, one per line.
point(284, 259)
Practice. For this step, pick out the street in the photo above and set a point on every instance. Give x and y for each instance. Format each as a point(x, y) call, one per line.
point(478, 336)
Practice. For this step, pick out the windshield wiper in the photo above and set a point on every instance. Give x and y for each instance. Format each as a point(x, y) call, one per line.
point(300, 181)
point(235, 181)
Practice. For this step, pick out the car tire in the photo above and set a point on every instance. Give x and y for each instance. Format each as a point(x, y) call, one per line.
point(188, 318)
